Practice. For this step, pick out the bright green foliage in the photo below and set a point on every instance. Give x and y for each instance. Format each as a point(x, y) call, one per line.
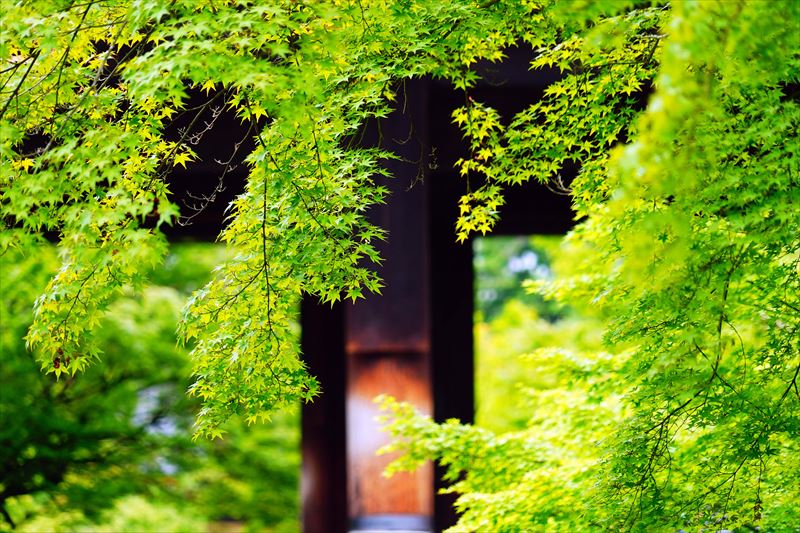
point(87, 94)
point(132, 513)
point(688, 248)
point(547, 394)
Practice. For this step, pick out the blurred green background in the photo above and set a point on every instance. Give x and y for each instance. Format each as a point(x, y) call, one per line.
point(111, 449)
point(515, 330)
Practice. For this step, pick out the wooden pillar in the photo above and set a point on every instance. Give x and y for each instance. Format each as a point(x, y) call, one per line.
point(388, 346)
point(379, 345)
point(415, 341)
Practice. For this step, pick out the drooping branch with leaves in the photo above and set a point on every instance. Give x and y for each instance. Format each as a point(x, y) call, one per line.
point(682, 119)
point(89, 93)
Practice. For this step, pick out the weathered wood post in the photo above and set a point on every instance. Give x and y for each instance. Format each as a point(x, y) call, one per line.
point(403, 342)
point(387, 339)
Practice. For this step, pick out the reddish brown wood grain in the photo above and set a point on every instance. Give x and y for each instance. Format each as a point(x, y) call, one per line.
point(406, 376)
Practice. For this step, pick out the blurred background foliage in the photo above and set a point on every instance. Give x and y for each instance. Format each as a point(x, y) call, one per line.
point(514, 329)
point(111, 450)
point(502, 264)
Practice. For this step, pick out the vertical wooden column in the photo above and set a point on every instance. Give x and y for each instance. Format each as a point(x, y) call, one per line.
point(414, 341)
point(388, 346)
point(323, 480)
point(451, 282)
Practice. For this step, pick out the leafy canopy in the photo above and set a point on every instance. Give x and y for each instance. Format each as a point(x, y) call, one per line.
point(688, 241)
point(88, 92)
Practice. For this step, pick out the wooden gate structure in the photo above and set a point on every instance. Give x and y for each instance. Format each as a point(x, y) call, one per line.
point(415, 340)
